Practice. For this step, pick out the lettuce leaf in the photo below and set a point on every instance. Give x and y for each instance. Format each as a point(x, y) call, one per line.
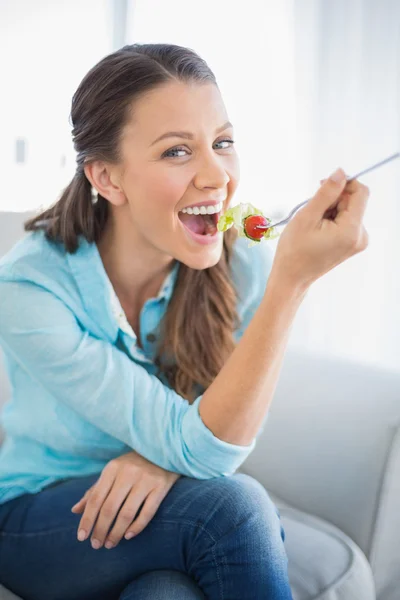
point(235, 216)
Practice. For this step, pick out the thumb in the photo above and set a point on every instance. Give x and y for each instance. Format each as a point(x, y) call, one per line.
point(79, 506)
point(328, 194)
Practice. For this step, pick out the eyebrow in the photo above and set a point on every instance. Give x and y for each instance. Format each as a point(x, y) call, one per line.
point(186, 134)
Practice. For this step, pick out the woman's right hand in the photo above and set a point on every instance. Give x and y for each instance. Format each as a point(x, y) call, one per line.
point(323, 234)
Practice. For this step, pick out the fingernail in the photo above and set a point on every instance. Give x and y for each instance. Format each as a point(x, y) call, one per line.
point(109, 545)
point(337, 176)
point(96, 544)
point(81, 535)
point(129, 535)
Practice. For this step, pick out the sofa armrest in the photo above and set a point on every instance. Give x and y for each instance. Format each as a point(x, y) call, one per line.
point(331, 447)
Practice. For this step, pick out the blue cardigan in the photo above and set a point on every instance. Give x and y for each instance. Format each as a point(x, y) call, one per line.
point(83, 391)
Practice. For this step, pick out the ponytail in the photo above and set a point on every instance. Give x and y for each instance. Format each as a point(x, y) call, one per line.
point(74, 214)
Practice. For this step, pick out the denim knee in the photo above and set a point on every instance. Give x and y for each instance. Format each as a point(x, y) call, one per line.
point(158, 585)
point(232, 500)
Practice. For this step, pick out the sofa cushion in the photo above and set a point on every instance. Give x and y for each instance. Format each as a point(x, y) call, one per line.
point(324, 563)
point(6, 595)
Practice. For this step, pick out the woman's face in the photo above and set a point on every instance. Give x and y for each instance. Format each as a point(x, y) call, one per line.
point(160, 177)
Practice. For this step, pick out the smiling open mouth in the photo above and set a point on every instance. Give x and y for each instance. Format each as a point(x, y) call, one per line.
point(200, 224)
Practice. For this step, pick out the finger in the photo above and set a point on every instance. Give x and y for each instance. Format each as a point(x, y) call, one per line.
point(109, 512)
point(327, 195)
point(364, 239)
point(78, 507)
point(352, 209)
point(94, 502)
point(332, 212)
point(146, 514)
point(349, 185)
point(128, 513)
point(341, 205)
point(343, 202)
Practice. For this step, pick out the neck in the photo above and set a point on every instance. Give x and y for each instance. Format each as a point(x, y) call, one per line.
point(135, 270)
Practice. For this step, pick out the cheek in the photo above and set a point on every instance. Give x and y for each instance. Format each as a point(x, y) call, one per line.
point(167, 189)
point(161, 188)
point(235, 168)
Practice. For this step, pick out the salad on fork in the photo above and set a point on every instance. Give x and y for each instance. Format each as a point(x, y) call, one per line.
point(247, 218)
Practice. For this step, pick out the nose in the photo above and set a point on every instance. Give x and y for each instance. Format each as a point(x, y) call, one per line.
point(211, 173)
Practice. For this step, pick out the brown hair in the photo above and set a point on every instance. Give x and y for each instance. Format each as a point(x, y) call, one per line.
point(201, 316)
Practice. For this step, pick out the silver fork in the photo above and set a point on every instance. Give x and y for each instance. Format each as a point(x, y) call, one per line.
point(296, 208)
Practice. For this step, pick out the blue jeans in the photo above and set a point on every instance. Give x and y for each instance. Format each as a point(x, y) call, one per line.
point(219, 539)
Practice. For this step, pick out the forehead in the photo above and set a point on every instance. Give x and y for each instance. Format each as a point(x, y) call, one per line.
point(191, 107)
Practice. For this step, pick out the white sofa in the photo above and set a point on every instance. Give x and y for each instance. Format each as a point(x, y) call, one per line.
point(330, 459)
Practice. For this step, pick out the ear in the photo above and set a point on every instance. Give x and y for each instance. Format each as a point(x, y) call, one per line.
point(105, 179)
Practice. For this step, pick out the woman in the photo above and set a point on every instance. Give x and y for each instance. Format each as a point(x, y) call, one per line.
point(143, 354)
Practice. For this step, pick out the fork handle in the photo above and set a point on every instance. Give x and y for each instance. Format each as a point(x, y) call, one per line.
point(296, 208)
point(284, 221)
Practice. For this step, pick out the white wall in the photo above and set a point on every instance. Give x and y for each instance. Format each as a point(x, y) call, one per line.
point(46, 47)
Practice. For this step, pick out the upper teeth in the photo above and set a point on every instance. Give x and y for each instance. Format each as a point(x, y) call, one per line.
point(203, 210)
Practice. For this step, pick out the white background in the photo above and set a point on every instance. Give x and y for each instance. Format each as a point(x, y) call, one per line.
point(309, 85)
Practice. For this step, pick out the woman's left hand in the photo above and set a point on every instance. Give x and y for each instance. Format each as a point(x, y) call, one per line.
point(124, 485)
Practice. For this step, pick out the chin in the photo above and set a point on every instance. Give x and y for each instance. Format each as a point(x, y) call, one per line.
point(204, 259)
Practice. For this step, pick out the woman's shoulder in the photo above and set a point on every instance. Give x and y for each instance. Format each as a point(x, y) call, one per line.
point(37, 260)
point(33, 250)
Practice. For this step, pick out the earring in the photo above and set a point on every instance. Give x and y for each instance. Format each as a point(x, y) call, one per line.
point(95, 195)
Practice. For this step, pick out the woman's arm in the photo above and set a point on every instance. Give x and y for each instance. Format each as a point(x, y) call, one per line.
point(315, 241)
point(104, 386)
point(119, 396)
point(235, 404)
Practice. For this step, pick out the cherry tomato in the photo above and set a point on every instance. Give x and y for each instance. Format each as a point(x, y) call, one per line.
point(249, 226)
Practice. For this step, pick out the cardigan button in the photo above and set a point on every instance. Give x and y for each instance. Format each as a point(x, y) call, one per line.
point(151, 337)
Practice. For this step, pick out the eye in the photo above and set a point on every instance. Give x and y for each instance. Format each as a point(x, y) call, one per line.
point(226, 141)
point(168, 153)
